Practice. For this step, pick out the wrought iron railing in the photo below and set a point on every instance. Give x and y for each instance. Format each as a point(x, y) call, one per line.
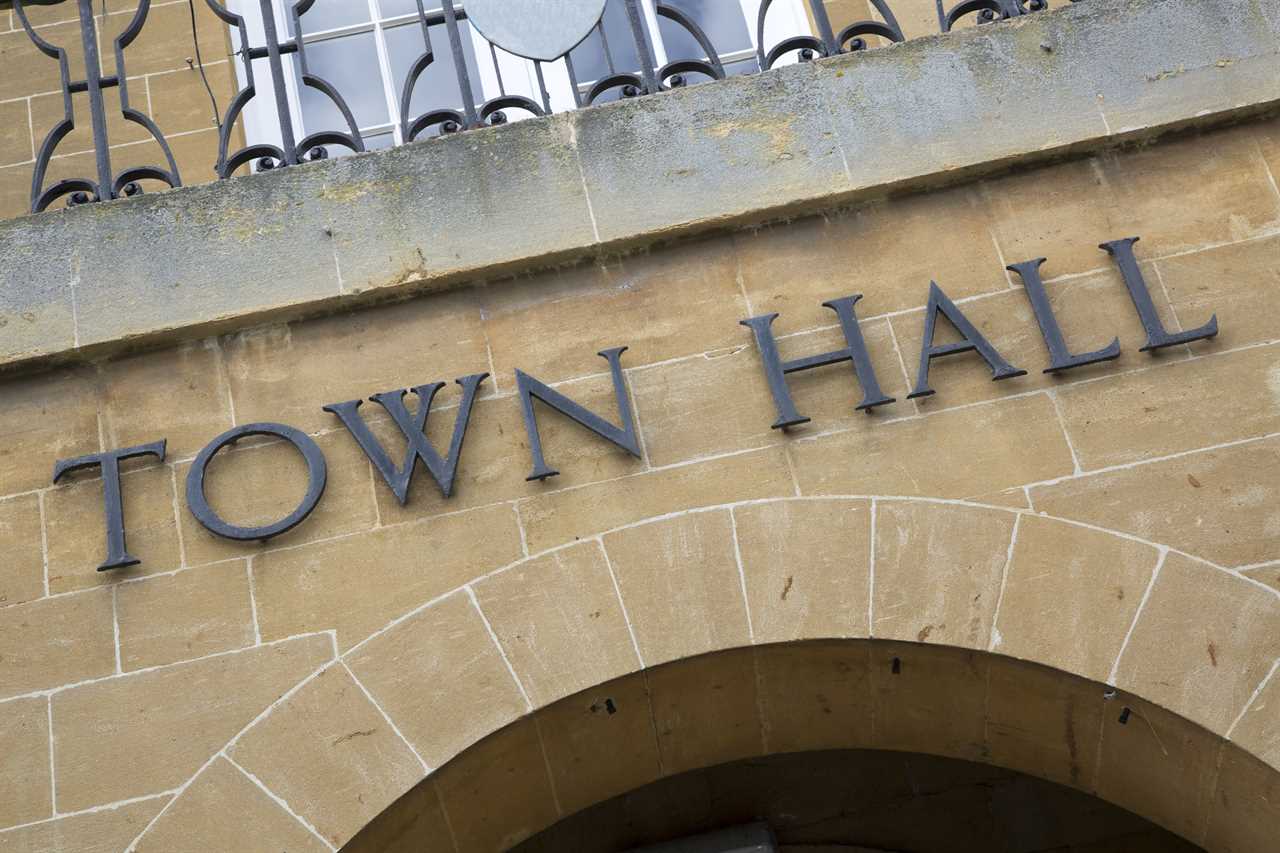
point(649, 77)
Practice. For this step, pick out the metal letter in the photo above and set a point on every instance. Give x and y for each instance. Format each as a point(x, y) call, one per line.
point(413, 427)
point(118, 556)
point(1060, 357)
point(624, 436)
point(775, 369)
point(1157, 337)
point(973, 340)
point(317, 473)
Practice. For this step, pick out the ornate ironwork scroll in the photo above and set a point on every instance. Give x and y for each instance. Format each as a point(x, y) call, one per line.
point(986, 11)
point(828, 42)
point(106, 184)
point(291, 151)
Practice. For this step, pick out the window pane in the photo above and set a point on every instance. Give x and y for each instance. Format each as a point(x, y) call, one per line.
point(350, 64)
point(591, 59)
point(721, 21)
point(327, 14)
point(392, 8)
point(438, 85)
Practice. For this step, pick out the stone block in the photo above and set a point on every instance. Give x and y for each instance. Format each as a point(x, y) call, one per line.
point(319, 585)
point(1002, 445)
point(329, 753)
point(469, 691)
point(1070, 596)
point(186, 615)
point(1203, 644)
point(557, 517)
point(25, 790)
point(1222, 505)
point(816, 696)
point(560, 622)
point(164, 724)
point(938, 572)
point(1239, 283)
point(805, 568)
point(22, 572)
point(56, 641)
point(681, 585)
point(509, 768)
point(45, 418)
point(223, 809)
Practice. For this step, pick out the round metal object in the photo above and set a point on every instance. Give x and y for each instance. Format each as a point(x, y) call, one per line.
point(535, 29)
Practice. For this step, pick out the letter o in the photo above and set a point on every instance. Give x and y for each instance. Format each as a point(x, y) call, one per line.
point(317, 473)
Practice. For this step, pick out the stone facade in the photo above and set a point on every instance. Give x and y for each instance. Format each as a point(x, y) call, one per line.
point(1076, 576)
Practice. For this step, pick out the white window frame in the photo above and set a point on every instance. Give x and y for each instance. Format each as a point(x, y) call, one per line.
point(518, 75)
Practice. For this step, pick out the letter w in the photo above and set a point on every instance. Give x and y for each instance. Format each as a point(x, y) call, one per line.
point(414, 429)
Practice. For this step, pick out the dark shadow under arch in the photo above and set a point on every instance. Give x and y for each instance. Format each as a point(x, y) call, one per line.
point(835, 695)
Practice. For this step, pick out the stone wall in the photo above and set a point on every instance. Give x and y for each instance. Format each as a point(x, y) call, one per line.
point(1075, 576)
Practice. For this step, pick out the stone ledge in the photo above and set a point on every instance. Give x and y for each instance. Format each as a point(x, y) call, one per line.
point(331, 236)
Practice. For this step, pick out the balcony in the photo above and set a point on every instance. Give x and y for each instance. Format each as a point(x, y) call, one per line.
point(109, 99)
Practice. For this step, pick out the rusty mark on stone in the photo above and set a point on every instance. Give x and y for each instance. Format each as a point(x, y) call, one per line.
point(786, 590)
point(1213, 653)
point(1195, 484)
point(352, 736)
point(924, 633)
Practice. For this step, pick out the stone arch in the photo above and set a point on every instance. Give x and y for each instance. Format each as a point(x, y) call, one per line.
point(1021, 640)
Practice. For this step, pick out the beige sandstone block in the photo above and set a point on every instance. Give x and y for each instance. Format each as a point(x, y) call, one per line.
point(1174, 407)
point(495, 456)
point(224, 810)
point(148, 732)
point(601, 743)
point(1157, 765)
point(1222, 170)
point(1042, 723)
point(507, 768)
point(22, 570)
point(16, 143)
point(56, 641)
point(358, 584)
point(187, 615)
point(706, 710)
point(25, 792)
point(107, 831)
point(935, 702)
point(886, 251)
point(805, 567)
point(75, 518)
point(560, 622)
point(1004, 444)
point(1240, 283)
point(1258, 730)
point(1268, 574)
point(261, 483)
point(1246, 805)
point(330, 754)
point(938, 572)
point(440, 676)
point(681, 585)
point(1203, 644)
point(45, 418)
point(287, 373)
point(415, 823)
point(678, 301)
point(816, 696)
point(558, 517)
point(1222, 505)
point(178, 394)
point(1091, 311)
point(1061, 212)
point(1070, 596)
point(721, 402)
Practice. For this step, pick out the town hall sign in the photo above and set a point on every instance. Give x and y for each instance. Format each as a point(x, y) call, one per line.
point(443, 468)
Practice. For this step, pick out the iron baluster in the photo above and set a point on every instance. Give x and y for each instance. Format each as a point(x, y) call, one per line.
point(107, 185)
point(291, 151)
point(986, 11)
point(828, 43)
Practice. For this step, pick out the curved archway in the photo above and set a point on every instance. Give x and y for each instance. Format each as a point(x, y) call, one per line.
point(1010, 629)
